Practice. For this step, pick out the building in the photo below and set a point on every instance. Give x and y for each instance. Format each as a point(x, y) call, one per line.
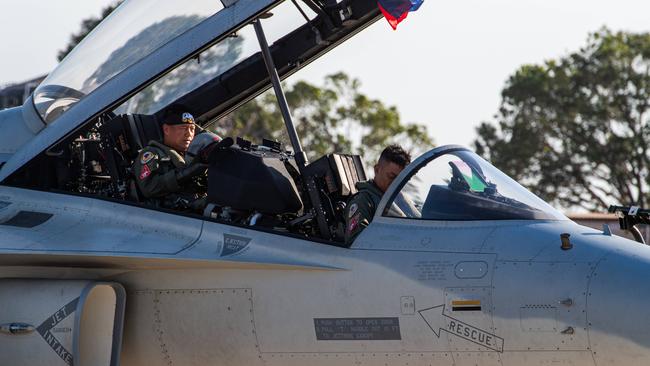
point(14, 95)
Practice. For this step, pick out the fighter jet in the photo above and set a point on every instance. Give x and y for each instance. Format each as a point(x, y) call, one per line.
point(461, 265)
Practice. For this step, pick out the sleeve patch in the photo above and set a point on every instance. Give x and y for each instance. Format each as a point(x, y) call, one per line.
point(354, 222)
point(147, 156)
point(353, 209)
point(146, 172)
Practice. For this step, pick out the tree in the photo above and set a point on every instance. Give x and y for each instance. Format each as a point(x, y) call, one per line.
point(336, 117)
point(87, 25)
point(575, 130)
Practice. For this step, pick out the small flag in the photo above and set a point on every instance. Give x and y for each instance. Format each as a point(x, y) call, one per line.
point(396, 10)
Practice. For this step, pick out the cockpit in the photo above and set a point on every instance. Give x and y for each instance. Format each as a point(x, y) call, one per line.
point(105, 102)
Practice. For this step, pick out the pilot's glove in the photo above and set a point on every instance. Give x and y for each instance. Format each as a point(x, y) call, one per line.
point(185, 174)
point(204, 154)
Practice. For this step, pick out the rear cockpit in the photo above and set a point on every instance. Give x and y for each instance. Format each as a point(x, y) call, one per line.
point(247, 184)
point(268, 183)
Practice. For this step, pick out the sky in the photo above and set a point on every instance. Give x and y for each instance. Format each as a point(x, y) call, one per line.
point(445, 66)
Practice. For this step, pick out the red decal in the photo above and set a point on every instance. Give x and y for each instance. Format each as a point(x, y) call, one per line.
point(145, 172)
point(354, 222)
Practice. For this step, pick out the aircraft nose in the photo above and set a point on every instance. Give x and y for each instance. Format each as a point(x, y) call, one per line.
point(618, 307)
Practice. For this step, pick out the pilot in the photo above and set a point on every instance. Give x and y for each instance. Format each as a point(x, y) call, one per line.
point(162, 173)
point(361, 208)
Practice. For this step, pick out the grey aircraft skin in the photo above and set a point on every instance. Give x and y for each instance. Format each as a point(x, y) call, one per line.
point(460, 265)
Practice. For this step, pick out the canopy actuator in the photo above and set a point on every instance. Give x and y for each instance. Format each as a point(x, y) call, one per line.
point(300, 156)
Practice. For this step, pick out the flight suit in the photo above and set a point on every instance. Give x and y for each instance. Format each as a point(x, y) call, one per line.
point(156, 177)
point(361, 209)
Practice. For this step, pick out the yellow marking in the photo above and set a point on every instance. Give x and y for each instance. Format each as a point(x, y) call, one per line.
point(466, 302)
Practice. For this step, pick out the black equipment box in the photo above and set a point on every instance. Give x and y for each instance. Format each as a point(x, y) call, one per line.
point(341, 172)
point(256, 180)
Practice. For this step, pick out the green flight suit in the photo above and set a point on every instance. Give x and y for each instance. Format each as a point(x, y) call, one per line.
point(361, 209)
point(156, 177)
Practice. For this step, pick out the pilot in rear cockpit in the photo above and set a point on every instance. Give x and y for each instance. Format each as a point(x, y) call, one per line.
point(361, 208)
point(165, 174)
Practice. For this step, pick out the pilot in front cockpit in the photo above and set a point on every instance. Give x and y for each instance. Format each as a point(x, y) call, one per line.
point(165, 174)
point(361, 208)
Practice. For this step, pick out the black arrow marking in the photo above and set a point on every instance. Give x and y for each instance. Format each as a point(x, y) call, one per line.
point(51, 322)
point(438, 321)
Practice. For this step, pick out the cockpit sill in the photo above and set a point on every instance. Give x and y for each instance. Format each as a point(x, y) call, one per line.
point(190, 216)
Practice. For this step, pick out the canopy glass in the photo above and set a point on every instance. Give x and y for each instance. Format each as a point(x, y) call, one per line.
point(460, 185)
point(130, 33)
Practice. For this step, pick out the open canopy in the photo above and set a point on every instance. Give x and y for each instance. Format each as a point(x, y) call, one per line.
point(132, 32)
point(112, 65)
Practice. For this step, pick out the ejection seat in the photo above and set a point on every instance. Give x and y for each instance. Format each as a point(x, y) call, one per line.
point(123, 137)
point(336, 176)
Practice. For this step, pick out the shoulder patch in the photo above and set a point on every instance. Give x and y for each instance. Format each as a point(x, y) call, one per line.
point(354, 222)
point(353, 209)
point(146, 172)
point(147, 156)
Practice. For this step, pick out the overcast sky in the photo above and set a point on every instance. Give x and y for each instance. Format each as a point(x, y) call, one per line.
point(444, 66)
